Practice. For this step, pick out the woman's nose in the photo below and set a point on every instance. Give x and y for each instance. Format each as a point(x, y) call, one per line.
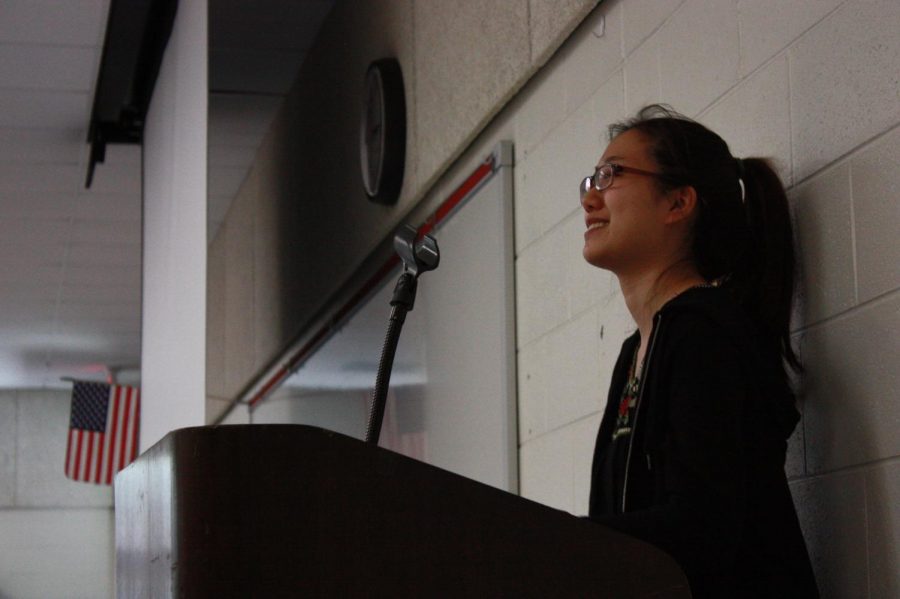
point(591, 199)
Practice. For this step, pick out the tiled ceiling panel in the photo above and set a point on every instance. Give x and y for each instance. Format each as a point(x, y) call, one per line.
point(57, 68)
point(70, 258)
point(53, 146)
point(43, 109)
point(53, 22)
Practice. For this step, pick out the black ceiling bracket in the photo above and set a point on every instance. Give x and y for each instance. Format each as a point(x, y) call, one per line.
point(137, 32)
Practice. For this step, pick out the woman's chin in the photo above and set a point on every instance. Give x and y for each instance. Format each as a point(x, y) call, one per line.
point(595, 258)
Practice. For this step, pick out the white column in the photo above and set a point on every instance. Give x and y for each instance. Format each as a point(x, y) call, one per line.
point(173, 349)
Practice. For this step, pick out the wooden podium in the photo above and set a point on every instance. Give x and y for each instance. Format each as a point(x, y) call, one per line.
point(296, 511)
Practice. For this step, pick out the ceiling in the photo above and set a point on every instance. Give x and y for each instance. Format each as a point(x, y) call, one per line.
point(70, 258)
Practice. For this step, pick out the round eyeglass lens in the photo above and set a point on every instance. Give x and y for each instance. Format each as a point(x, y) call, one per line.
point(586, 185)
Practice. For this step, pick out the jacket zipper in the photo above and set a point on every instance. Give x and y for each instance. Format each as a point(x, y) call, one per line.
point(644, 369)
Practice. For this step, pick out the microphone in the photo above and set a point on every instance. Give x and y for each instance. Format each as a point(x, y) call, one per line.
point(418, 257)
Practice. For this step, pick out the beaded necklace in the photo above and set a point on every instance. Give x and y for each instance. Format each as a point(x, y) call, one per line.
point(629, 399)
point(628, 402)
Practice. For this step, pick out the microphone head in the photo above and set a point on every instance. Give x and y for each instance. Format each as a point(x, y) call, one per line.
point(428, 256)
point(417, 257)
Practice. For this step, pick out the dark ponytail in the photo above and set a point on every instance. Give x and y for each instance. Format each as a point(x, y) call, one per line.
point(764, 278)
point(742, 235)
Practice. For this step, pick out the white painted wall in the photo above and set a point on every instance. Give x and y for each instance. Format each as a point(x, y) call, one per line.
point(173, 351)
point(56, 535)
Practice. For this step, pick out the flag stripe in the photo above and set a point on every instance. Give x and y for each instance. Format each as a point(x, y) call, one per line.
point(98, 468)
point(123, 434)
point(68, 469)
point(135, 420)
point(89, 443)
point(111, 431)
point(78, 453)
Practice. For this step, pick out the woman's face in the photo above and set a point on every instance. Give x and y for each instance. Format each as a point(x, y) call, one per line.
point(625, 221)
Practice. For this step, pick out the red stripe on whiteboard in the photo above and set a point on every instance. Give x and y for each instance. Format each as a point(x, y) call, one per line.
point(435, 219)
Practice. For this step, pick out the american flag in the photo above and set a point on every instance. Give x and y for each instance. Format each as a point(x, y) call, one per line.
point(103, 431)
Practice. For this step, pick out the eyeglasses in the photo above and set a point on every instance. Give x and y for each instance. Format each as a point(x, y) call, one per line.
point(605, 173)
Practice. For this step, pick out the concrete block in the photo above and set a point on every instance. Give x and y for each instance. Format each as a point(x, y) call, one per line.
point(876, 212)
point(794, 467)
point(795, 460)
point(698, 54)
point(832, 512)
point(883, 520)
point(552, 174)
point(541, 297)
point(584, 435)
point(823, 220)
point(551, 22)
point(616, 325)
point(844, 82)
point(852, 363)
point(754, 117)
point(57, 553)
point(642, 81)
point(543, 108)
point(587, 285)
point(609, 104)
point(41, 435)
point(569, 378)
point(769, 26)
point(468, 57)
point(798, 306)
point(546, 469)
point(526, 213)
point(531, 391)
point(7, 448)
point(593, 54)
point(642, 18)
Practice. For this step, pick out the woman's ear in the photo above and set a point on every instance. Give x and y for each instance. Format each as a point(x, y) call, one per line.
point(682, 204)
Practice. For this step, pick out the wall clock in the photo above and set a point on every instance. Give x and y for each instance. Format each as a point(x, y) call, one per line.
point(382, 131)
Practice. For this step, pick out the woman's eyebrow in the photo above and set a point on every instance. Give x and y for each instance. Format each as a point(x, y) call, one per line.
point(609, 159)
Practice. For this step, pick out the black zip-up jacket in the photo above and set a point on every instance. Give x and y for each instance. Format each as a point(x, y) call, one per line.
point(705, 477)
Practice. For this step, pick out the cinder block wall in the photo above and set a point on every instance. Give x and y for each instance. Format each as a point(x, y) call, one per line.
point(301, 223)
point(56, 535)
point(813, 84)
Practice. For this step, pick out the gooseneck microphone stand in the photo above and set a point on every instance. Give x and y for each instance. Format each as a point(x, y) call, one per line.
point(418, 257)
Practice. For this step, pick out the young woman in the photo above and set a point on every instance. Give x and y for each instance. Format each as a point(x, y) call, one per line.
point(691, 449)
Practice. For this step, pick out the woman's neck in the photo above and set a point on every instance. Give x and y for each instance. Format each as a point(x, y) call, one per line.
point(647, 291)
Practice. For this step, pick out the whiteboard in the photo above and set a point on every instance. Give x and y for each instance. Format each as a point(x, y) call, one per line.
point(452, 401)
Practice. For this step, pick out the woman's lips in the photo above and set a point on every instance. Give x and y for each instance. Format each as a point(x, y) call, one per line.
point(595, 225)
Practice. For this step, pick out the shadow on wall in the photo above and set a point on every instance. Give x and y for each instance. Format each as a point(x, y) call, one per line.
point(317, 209)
